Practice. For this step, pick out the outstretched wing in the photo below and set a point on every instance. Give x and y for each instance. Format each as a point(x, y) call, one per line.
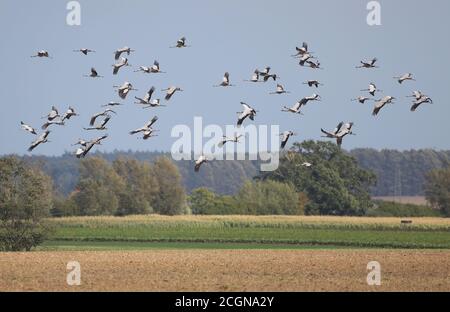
point(93, 118)
point(338, 127)
point(305, 46)
point(246, 106)
point(151, 122)
point(329, 134)
point(105, 121)
point(150, 92)
point(376, 110)
point(415, 106)
point(117, 54)
point(34, 145)
point(241, 119)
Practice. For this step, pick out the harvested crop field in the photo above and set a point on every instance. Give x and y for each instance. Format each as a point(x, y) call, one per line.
point(227, 270)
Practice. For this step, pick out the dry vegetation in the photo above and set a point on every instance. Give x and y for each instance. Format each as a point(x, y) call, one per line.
point(414, 200)
point(227, 270)
point(313, 220)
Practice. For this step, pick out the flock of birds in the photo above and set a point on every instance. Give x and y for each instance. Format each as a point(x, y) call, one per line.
point(306, 58)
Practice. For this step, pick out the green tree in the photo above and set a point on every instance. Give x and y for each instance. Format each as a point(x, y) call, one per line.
point(25, 199)
point(98, 189)
point(437, 189)
point(334, 184)
point(141, 186)
point(202, 201)
point(268, 198)
point(171, 198)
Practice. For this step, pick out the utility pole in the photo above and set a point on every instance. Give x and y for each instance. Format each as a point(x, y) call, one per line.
point(397, 187)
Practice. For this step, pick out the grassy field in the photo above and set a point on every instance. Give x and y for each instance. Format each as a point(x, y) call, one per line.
point(154, 231)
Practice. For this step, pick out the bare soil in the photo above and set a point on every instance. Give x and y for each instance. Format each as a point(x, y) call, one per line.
point(227, 270)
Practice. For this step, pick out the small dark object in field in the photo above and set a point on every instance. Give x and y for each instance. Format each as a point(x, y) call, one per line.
point(406, 221)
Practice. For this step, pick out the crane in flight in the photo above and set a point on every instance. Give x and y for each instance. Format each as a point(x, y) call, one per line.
point(154, 69)
point(200, 161)
point(405, 77)
point(28, 128)
point(362, 99)
point(226, 139)
point(312, 83)
point(181, 43)
point(84, 51)
point(372, 89)
point(247, 112)
point(423, 99)
point(86, 146)
point(101, 126)
point(43, 138)
point(147, 97)
point(255, 77)
point(147, 129)
point(53, 114)
point(300, 51)
point(339, 132)
point(314, 65)
point(285, 137)
point(170, 91)
point(93, 74)
point(225, 81)
point(368, 64)
point(381, 103)
point(42, 53)
point(119, 52)
point(123, 62)
point(69, 114)
point(280, 90)
point(124, 89)
point(112, 104)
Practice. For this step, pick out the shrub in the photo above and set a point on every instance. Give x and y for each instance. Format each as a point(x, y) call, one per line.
point(392, 209)
point(25, 200)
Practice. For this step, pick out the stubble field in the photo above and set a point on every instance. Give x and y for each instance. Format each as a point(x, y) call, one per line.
point(226, 270)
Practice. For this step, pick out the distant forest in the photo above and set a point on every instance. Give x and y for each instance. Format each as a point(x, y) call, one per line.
point(399, 173)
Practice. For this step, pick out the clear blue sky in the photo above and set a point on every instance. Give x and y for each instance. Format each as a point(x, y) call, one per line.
point(235, 36)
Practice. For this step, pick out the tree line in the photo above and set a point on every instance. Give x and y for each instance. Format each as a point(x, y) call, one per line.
point(124, 187)
point(399, 173)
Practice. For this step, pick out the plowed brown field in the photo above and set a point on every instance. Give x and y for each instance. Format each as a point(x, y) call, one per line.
point(227, 270)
